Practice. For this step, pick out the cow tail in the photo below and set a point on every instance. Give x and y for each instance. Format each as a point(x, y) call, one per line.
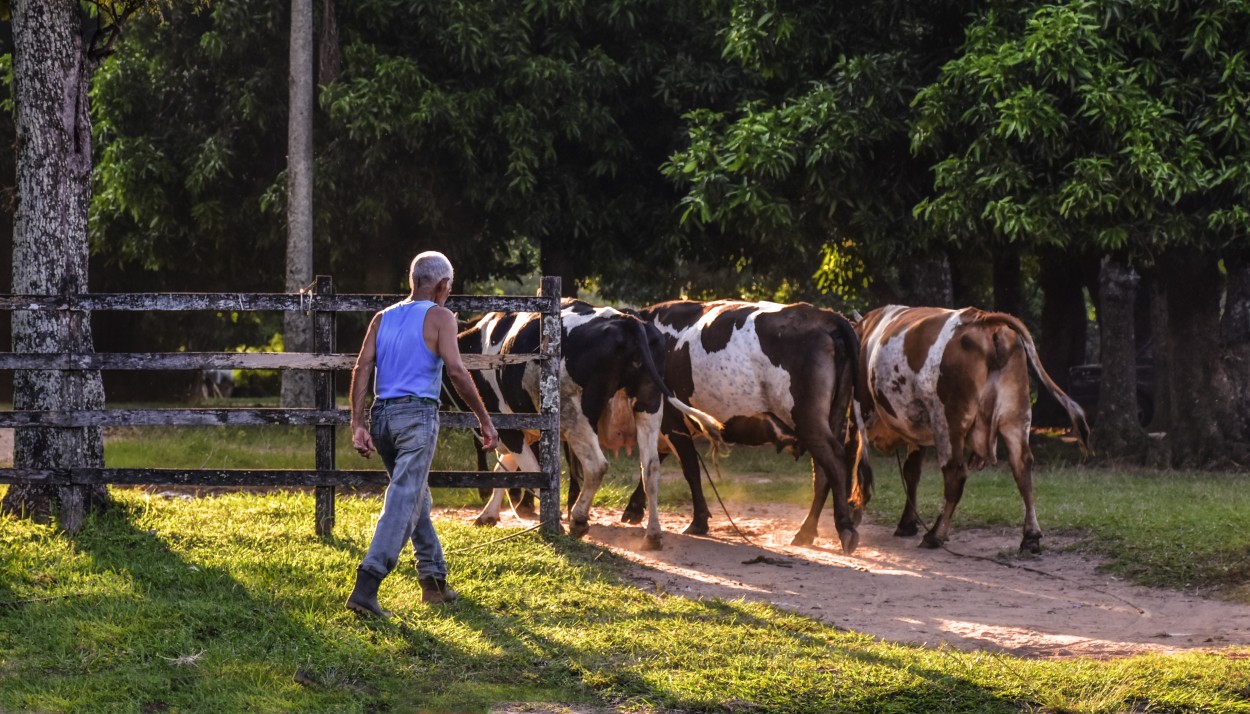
point(644, 345)
point(1080, 427)
point(701, 421)
point(861, 485)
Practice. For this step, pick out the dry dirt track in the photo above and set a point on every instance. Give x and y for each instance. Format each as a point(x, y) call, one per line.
point(1055, 605)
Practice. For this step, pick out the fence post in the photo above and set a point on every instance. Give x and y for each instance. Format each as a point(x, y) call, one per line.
point(549, 391)
point(323, 390)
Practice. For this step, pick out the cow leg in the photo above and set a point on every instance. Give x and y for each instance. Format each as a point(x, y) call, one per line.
point(585, 445)
point(575, 478)
point(490, 512)
point(829, 474)
point(1021, 457)
point(954, 475)
point(647, 427)
point(909, 524)
point(522, 459)
point(636, 508)
point(683, 445)
point(820, 492)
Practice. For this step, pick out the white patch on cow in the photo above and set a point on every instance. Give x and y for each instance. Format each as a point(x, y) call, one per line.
point(918, 412)
point(739, 379)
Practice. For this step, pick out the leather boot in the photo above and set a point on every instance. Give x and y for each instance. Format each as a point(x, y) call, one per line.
point(364, 597)
point(435, 591)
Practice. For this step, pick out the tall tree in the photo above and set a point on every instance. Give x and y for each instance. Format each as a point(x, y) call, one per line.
point(297, 327)
point(52, 66)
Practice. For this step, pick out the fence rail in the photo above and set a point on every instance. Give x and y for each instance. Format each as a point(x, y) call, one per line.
point(323, 305)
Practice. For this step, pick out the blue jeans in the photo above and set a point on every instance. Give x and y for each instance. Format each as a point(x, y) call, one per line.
point(405, 434)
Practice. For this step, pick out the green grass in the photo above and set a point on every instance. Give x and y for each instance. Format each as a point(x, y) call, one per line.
point(231, 604)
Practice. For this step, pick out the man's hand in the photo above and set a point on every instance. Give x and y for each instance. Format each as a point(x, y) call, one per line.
point(362, 441)
point(490, 436)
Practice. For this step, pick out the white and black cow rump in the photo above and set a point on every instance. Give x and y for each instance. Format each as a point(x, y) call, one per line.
point(772, 374)
point(957, 380)
point(604, 353)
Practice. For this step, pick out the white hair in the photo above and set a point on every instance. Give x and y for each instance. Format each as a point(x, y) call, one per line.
point(429, 268)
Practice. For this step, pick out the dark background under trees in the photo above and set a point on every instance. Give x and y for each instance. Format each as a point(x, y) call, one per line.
point(1081, 164)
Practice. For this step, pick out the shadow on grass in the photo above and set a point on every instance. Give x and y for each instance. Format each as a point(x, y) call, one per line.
point(153, 631)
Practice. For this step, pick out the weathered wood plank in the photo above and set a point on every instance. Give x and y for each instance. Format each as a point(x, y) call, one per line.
point(323, 389)
point(216, 360)
point(263, 477)
point(240, 417)
point(549, 395)
point(257, 302)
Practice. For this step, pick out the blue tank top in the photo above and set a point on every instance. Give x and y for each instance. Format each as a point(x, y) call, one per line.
point(404, 365)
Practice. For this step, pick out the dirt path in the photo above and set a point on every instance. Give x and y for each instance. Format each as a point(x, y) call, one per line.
point(1056, 605)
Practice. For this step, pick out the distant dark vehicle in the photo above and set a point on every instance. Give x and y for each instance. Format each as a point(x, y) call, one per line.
point(1084, 382)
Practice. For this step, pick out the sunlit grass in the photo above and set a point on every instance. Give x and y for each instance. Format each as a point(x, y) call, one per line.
point(230, 603)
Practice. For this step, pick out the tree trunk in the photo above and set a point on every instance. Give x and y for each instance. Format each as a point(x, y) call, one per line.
point(1161, 395)
point(50, 250)
point(1235, 359)
point(1192, 282)
point(554, 262)
point(1062, 333)
point(1118, 432)
point(1008, 287)
point(297, 385)
point(926, 281)
point(329, 54)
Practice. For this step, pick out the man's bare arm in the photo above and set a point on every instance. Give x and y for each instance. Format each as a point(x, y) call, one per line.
point(362, 375)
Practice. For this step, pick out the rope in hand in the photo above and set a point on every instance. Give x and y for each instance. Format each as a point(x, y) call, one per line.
point(1006, 564)
point(478, 546)
point(716, 491)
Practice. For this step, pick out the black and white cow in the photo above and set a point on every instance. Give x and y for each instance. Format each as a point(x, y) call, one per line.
point(604, 353)
point(772, 374)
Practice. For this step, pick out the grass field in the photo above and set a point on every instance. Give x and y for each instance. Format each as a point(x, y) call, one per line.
point(231, 603)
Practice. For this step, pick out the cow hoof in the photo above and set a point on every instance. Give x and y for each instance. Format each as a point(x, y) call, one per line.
point(802, 538)
point(486, 521)
point(631, 516)
point(652, 543)
point(931, 541)
point(1032, 543)
point(578, 529)
point(697, 529)
point(527, 512)
point(906, 530)
point(850, 540)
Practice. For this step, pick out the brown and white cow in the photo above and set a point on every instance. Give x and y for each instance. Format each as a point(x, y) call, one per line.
point(957, 380)
point(605, 354)
point(772, 374)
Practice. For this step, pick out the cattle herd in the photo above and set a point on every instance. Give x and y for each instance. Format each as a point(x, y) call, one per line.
point(800, 378)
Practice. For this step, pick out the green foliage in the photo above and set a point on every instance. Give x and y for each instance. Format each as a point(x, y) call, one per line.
point(817, 166)
point(1095, 127)
point(488, 130)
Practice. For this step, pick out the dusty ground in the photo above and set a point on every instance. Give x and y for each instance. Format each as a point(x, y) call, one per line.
point(1054, 605)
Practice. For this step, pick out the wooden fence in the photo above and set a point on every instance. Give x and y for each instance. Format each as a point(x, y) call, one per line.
point(323, 304)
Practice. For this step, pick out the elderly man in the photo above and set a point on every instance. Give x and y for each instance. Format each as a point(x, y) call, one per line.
point(408, 345)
